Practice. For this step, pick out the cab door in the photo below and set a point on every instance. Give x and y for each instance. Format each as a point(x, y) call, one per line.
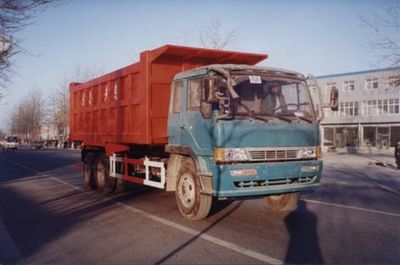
point(175, 119)
point(197, 126)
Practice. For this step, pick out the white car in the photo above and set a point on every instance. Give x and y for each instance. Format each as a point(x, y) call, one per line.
point(10, 143)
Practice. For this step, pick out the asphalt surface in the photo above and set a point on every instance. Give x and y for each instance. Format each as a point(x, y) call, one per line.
point(45, 218)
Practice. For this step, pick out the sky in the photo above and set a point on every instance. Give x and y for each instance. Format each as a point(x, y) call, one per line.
point(318, 37)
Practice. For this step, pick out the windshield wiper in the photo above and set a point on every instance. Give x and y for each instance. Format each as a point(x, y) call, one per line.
point(281, 117)
point(258, 118)
point(266, 119)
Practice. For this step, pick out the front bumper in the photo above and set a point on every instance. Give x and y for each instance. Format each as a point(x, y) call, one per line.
point(269, 178)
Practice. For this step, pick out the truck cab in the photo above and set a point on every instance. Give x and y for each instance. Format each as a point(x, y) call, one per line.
point(242, 131)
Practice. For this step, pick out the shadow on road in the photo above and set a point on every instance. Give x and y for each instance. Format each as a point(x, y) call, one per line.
point(19, 164)
point(35, 222)
point(187, 243)
point(304, 244)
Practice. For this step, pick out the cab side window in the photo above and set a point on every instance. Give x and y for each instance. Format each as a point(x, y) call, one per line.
point(177, 97)
point(197, 95)
point(194, 92)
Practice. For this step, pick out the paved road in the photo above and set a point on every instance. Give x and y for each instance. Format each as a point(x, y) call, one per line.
point(45, 218)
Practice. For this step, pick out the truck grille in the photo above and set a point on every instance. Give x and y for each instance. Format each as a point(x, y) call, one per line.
point(266, 154)
point(274, 182)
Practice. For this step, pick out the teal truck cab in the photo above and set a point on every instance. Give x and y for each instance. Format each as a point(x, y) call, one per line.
point(238, 131)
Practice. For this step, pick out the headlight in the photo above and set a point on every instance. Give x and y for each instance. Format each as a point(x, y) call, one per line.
point(230, 154)
point(307, 152)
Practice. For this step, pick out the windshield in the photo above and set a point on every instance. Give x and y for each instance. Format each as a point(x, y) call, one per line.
point(280, 98)
point(12, 139)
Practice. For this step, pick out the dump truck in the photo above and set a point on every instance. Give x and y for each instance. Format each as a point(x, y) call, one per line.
point(206, 124)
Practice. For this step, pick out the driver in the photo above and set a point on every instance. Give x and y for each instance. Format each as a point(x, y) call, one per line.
point(272, 94)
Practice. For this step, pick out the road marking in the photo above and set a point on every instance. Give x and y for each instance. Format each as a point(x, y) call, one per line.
point(187, 230)
point(352, 207)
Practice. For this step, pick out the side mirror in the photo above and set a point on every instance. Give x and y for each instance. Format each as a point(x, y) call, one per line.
point(312, 82)
point(334, 99)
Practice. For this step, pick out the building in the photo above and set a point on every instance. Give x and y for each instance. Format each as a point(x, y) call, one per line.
point(48, 131)
point(368, 115)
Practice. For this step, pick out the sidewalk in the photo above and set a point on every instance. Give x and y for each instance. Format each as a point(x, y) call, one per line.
point(379, 156)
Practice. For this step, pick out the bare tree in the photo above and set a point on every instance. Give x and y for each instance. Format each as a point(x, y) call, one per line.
point(384, 38)
point(214, 36)
point(28, 116)
point(14, 15)
point(2, 134)
point(385, 33)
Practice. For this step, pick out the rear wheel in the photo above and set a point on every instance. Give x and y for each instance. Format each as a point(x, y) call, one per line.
point(105, 183)
point(89, 168)
point(284, 202)
point(191, 203)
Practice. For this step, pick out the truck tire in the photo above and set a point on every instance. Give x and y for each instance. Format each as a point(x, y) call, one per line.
point(191, 203)
point(105, 183)
point(284, 202)
point(89, 168)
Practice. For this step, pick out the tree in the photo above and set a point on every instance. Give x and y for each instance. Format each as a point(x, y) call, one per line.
point(14, 15)
point(2, 134)
point(384, 37)
point(213, 36)
point(28, 115)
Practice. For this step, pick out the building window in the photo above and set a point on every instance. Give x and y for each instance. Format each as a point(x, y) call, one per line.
point(329, 87)
point(329, 137)
point(393, 81)
point(379, 107)
point(369, 137)
point(348, 109)
point(394, 106)
point(348, 85)
point(382, 137)
point(394, 135)
point(371, 83)
point(377, 137)
point(346, 137)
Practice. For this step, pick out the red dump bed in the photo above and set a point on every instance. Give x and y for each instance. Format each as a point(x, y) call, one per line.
point(130, 105)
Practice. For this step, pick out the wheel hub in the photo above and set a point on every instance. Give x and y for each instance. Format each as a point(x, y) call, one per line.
point(186, 191)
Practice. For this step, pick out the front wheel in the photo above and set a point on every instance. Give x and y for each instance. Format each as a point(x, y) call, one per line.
point(191, 203)
point(284, 202)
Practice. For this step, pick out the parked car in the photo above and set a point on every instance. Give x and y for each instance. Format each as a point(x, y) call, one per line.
point(38, 145)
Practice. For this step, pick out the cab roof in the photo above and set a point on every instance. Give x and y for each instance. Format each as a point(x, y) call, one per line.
point(242, 68)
